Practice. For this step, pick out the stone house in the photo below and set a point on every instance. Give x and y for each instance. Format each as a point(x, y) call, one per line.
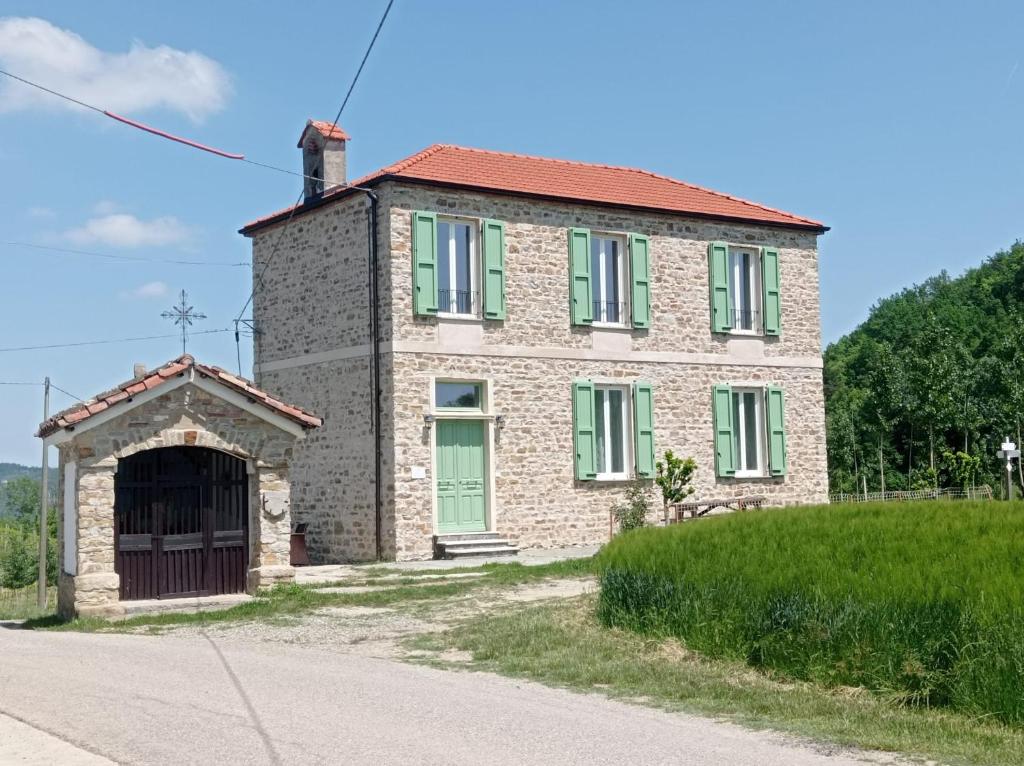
point(499, 343)
point(175, 483)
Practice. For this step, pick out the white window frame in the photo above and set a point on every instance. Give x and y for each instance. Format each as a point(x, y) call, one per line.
point(474, 267)
point(627, 432)
point(757, 326)
point(624, 259)
point(759, 429)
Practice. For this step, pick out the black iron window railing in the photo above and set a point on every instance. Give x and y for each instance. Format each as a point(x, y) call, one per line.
point(612, 312)
point(745, 319)
point(457, 301)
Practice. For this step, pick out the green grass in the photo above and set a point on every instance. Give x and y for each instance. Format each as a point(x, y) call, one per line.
point(285, 601)
point(21, 604)
point(565, 645)
point(919, 602)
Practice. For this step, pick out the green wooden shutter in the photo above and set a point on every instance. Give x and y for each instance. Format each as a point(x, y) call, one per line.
point(643, 429)
point(424, 263)
point(494, 269)
point(725, 458)
point(580, 291)
point(770, 282)
point(718, 272)
point(640, 275)
point(776, 421)
point(584, 437)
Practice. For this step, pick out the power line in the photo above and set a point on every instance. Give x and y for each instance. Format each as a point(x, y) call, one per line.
point(66, 393)
point(162, 133)
point(112, 340)
point(52, 385)
point(132, 258)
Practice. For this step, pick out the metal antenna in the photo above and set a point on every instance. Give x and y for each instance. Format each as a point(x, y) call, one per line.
point(183, 315)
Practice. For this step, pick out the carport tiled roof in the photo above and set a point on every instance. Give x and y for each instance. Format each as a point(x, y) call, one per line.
point(155, 378)
point(485, 170)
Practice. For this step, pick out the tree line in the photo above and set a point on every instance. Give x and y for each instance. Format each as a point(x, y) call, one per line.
point(923, 393)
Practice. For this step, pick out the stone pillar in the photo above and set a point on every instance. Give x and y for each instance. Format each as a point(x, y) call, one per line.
point(271, 528)
point(95, 588)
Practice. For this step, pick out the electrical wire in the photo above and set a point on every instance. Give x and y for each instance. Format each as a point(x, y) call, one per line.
point(112, 340)
point(132, 258)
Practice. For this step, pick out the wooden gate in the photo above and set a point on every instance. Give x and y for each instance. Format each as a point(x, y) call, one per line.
point(181, 523)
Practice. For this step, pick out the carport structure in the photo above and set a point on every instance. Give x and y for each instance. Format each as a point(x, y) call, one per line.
point(174, 484)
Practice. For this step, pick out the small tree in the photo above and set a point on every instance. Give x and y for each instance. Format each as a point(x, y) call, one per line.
point(674, 475)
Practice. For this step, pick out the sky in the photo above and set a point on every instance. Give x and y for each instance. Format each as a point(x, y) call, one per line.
point(897, 124)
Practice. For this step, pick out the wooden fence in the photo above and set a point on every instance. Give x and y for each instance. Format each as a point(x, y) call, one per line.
point(983, 492)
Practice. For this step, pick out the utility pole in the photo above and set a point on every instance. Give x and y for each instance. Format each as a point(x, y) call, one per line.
point(44, 501)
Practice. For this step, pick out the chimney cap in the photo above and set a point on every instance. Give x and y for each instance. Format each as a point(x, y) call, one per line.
point(139, 370)
point(327, 130)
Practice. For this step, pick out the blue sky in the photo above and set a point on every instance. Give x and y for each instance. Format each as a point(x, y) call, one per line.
point(898, 124)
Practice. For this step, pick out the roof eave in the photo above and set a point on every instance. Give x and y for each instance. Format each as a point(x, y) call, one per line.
point(307, 207)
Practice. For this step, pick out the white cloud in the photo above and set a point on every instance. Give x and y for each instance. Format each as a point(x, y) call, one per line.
point(147, 290)
point(125, 230)
point(142, 78)
point(41, 212)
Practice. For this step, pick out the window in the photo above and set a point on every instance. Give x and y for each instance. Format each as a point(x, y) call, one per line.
point(611, 425)
point(457, 291)
point(748, 431)
point(457, 395)
point(608, 270)
point(744, 290)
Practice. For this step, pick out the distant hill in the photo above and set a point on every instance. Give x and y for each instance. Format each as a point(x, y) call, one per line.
point(10, 471)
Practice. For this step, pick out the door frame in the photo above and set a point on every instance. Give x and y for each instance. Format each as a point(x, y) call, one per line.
point(487, 416)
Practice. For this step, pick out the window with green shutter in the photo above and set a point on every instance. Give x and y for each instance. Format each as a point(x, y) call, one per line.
point(424, 263)
point(643, 429)
point(771, 303)
point(718, 271)
point(640, 277)
point(584, 430)
point(725, 449)
point(494, 269)
point(745, 290)
point(581, 293)
point(776, 426)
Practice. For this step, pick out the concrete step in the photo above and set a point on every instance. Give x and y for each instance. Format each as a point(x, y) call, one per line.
point(489, 550)
point(459, 536)
point(466, 544)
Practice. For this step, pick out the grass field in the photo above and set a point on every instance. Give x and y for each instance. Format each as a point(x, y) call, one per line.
point(922, 603)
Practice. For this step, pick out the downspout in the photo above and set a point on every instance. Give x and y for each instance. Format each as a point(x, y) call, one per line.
point(374, 288)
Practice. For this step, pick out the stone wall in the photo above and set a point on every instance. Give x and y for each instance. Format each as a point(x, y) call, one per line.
point(184, 416)
point(537, 274)
point(333, 468)
point(314, 295)
point(538, 502)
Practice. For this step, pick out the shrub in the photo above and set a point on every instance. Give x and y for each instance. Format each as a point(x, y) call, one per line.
point(632, 514)
point(923, 601)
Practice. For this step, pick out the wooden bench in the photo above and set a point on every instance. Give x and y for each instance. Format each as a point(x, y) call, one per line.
point(693, 510)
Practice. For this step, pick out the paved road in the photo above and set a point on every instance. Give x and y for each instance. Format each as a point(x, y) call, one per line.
point(166, 699)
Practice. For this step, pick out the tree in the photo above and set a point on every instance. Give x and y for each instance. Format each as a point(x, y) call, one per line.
point(673, 475)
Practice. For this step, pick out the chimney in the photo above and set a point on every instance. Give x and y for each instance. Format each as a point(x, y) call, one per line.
point(138, 370)
point(323, 157)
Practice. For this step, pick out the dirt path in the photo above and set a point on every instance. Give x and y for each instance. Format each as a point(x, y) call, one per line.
point(378, 631)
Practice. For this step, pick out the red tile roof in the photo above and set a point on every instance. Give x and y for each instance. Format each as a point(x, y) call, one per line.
point(154, 378)
point(458, 166)
point(325, 129)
